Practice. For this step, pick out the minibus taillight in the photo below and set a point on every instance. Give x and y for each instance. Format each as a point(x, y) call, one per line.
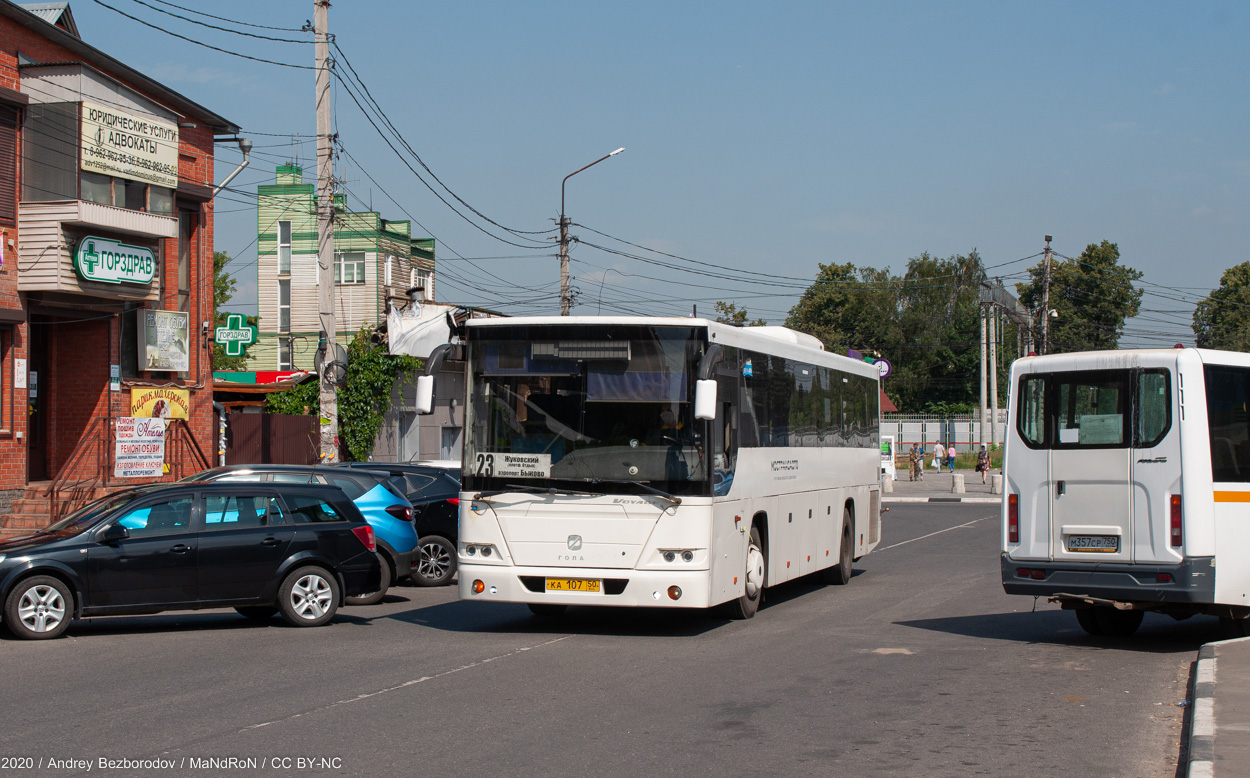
point(1013, 518)
point(1176, 521)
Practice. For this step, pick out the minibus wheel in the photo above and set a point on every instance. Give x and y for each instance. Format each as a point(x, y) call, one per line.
point(1088, 621)
point(1118, 623)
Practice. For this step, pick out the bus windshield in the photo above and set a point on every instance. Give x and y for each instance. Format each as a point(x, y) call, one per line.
point(572, 406)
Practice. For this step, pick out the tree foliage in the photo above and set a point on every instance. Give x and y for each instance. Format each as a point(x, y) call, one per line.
point(925, 322)
point(362, 402)
point(730, 313)
point(1092, 294)
point(1222, 319)
point(223, 290)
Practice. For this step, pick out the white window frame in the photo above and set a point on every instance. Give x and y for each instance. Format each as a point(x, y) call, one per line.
point(284, 257)
point(285, 357)
point(349, 260)
point(284, 309)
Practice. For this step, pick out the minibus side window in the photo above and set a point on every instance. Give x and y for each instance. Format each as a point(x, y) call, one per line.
point(1032, 424)
point(1228, 414)
point(1154, 407)
point(1091, 409)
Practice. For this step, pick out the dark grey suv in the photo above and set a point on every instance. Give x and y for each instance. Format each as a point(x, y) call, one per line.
point(263, 549)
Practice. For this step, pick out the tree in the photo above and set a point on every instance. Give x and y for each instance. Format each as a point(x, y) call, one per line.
point(1093, 295)
point(223, 290)
point(730, 313)
point(1222, 319)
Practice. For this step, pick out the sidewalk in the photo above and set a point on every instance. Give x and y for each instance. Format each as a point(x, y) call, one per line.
point(1219, 733)
point(936, 487)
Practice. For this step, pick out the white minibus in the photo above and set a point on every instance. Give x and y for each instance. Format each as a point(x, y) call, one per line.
point(665, 462)
point(1128, 485)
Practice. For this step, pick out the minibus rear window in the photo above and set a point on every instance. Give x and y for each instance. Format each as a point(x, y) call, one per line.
point(1091, 409)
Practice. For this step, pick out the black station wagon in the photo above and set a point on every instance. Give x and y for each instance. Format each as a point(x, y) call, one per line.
point(259, 548)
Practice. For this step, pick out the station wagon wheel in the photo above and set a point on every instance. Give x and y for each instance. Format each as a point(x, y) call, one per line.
point(308, 597)
point(436, 561)
point(39, 608)
point(375, 597)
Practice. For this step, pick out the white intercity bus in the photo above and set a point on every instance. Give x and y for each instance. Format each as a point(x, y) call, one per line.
point(1128, 485)
point(665, 462)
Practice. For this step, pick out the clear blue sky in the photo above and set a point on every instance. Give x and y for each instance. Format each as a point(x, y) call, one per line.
point(760, 137)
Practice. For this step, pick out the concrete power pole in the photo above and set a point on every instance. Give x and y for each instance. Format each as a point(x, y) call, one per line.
point(993, 317)
point(981, 432)
point(325, 237)
point(1046, 302)
point(566, 296)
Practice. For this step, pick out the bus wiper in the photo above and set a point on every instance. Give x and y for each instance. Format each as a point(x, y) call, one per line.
point(509, 488)
point(641, 485)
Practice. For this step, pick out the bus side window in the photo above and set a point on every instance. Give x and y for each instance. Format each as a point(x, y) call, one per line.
point(1154, 408)
point(1032, 422)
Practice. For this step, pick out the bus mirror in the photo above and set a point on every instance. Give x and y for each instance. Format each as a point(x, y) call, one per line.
point(705, 399)
point(425, 394)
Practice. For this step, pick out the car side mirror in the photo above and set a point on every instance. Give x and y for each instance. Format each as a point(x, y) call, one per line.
point(113, 534)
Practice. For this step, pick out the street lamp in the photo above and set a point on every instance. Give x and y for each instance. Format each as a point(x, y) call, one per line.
point(566, 299)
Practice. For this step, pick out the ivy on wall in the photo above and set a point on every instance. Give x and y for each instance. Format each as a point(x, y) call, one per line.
point(363, 401)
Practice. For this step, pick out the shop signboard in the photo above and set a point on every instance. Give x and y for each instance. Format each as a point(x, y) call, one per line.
point(164, 340)
point(110, 262)
point(160, 402)
point(140, 448)
point(236, 335)
point(125, 144)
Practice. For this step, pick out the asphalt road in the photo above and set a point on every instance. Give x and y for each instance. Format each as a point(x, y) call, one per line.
point(921, 666)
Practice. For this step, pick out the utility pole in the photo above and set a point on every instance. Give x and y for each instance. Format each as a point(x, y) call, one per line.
point(993, 317)
point(566, 298)
point(325, 237)
point(1046, 302)
point(981, 432)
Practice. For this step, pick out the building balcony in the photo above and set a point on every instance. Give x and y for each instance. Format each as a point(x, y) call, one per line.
point(49, 232)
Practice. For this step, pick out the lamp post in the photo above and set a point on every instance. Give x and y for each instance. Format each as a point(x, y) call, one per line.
point(566, 299)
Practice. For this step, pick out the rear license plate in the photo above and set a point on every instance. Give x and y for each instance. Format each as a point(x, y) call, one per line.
point(573, 585)
point(1106, 544)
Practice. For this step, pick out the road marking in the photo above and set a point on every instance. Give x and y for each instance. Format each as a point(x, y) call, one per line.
point(405, 684)
point(931, 534)
point(906, 651)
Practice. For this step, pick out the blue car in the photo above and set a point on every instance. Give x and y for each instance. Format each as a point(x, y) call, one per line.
point(384, 507)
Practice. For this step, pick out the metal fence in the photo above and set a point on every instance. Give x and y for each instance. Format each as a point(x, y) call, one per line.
point(965, 431)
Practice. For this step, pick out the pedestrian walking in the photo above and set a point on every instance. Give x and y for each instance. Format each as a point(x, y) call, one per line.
point(950, 457)
point(983, 463)
point(939, 455)
point(913, 463)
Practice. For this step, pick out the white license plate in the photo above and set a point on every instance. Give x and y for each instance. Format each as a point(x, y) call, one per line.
point(1104, 544)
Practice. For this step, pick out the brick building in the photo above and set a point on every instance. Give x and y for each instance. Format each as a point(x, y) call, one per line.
point(106, 250)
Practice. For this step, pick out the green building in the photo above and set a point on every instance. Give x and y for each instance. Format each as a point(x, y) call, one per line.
point(376, 261)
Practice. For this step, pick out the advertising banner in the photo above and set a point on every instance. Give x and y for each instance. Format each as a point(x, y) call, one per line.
point(121, 143)
point(164, 340)
point(140, 451)
point(160, 402)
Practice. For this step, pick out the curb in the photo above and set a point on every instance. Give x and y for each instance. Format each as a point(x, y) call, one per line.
point(982, 500)
point(1202, 725)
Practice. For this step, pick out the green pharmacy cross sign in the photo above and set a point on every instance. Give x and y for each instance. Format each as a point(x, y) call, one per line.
point(236, 336)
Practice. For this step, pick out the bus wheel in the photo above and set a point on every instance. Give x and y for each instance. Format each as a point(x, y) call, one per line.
point(840, 573)
point(1088, 621)
point(1118, 623)
point(753, 587)
point(547, 610)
